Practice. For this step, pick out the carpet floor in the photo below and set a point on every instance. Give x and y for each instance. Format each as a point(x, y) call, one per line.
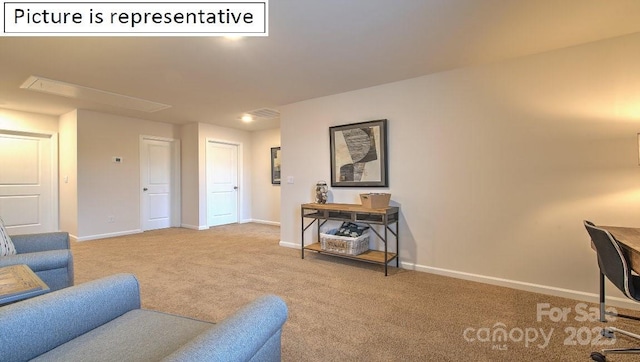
point(344, 310)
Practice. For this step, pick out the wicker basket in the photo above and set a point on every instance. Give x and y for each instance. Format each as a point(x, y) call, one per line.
point(344, 244)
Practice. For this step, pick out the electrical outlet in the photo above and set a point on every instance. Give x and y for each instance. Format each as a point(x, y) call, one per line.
point(111, 219)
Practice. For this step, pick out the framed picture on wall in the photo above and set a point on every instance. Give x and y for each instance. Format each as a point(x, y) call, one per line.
point(359, 154)
point(275, 165)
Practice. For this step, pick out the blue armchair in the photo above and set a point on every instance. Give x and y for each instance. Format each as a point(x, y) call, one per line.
point(47, 254)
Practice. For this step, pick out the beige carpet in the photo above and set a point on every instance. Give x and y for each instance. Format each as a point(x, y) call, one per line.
point(340, 310)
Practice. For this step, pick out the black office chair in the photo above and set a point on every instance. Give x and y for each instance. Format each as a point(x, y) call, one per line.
point(614, 264)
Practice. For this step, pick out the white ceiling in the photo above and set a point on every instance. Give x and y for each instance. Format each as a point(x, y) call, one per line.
point(315, 48)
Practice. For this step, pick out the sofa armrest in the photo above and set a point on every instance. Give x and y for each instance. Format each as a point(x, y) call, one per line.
point(31, 243)
point(251, 333)
point(35, 326)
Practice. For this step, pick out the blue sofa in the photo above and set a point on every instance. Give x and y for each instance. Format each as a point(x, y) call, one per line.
point(102, 320)
point(47, 254)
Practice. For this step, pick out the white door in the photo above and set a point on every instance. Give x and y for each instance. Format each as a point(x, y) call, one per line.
point(222, 183)
point(156, 182)
point(28, 183)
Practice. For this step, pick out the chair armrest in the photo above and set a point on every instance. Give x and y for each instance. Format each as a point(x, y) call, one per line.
point(39, 261)
point(34, 326)
point(254, 330)
point(30, 243)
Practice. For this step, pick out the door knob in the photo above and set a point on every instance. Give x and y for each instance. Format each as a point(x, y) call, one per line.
point(145, 189)
point(235, 187)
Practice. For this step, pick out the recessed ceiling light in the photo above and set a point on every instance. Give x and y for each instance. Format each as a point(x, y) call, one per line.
point(75, 91)
point(246, 118)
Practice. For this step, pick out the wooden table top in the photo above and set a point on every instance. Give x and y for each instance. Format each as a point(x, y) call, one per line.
point(350, 208)
point(630, 237)
point(19, 282)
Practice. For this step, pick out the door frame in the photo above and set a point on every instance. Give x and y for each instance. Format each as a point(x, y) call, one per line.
point(240, 167)
point(176, 215)
point(54, 211)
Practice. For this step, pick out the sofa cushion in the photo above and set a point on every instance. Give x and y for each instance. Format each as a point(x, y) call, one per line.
point(140, 335)
point(6, 245)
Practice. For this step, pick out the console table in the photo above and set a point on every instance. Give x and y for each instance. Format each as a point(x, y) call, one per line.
point(321, 213)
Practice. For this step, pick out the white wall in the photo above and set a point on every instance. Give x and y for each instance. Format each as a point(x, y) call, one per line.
point(27, 122)
point(265, 196)
point(190, 182)
point(106, 188)
point(494, 167)
point(68, 172)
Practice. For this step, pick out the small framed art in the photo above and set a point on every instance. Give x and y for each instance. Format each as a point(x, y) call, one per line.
point(275, 165)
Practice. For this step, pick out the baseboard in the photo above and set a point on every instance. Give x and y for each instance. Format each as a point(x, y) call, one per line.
point(287, 244)
point(266, 222)
point(529, 287)
point(107, 235)
point(193, 227)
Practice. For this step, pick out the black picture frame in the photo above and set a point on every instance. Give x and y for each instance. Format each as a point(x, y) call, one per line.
point(275, 165)
point(359, 154)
